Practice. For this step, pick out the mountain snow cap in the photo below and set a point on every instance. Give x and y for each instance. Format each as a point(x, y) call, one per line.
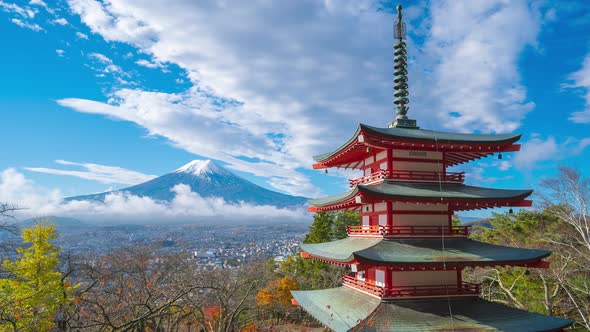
point(200, 167)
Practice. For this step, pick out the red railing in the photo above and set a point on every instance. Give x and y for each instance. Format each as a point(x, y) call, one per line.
point(379, 175)
point(409, 291)
point(386, 230)
point(422, 176)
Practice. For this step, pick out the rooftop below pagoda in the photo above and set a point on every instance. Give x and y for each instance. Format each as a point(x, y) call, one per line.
point(344, 309)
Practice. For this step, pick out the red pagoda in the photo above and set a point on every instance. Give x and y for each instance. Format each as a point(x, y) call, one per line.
point(406, 257)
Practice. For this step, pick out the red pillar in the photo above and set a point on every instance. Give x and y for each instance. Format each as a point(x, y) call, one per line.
point(389, 213)
point(388, 281)
point(390, 160)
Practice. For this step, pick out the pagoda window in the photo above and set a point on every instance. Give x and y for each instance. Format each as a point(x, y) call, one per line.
point(361, 275)
point(365, 220)
point(382, 219)
point(379, 278)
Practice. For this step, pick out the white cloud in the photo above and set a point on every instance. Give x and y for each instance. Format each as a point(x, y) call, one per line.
point(278, 83)
point(113, 25)
point(14, 8)
point(60, 52)
point(96, 172)
point(81, 35)
point(477, 46)
point(15, 188)
point(60, 21)
point(476, 174)
point(581, 80)
point(148, 64)
point(107, 65)
point(22, 24)
point(100, 57)
point(41, 3)
point(537, 151)
point(504, 165)
point(186, 205)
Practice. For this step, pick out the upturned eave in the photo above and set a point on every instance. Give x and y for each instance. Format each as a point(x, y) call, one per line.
point(430, 253)
point(458, 196)
point(459, 147)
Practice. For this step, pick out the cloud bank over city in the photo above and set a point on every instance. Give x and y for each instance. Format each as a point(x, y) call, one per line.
point(186, 206)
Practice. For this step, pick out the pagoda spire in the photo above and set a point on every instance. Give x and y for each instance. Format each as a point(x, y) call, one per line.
point(400, 71)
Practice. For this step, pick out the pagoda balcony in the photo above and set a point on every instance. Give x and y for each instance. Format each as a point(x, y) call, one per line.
point(464, 289)
point(408, 231)
point(409, 176)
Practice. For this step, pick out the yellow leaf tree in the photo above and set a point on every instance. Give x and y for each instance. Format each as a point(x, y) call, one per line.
point(277, 293)
point(32, 290)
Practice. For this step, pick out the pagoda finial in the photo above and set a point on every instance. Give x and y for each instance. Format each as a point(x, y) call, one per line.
point(400, 71)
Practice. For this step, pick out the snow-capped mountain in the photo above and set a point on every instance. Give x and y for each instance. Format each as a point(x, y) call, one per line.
point(207, 179)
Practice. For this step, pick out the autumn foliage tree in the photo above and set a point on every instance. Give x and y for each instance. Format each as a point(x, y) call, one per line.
point(277, 294)
point(138, 290)
point(33, 292)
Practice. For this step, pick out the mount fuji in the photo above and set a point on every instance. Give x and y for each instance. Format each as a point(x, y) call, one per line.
point(207, 179)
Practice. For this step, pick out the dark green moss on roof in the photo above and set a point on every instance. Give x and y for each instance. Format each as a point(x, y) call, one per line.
point(343, 309)
point(391, 189)
point(421, 251)
point(423, 135)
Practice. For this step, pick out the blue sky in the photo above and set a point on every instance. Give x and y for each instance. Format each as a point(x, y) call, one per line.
point(97, 95)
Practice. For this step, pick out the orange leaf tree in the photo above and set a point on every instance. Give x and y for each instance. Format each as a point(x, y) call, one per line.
point(277, 293)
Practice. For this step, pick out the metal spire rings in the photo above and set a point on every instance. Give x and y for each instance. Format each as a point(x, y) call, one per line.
point(400, 72)
point(400, 68)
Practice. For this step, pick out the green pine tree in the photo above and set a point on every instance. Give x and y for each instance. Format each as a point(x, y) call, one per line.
point(342, 220)
point(321, 229)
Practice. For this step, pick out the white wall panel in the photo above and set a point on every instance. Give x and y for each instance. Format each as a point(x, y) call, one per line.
point(418, 278)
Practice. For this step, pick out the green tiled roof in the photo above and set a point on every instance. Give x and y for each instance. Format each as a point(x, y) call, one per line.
point(423, 135)
point(339, 308)
point(343, 309)
point(421, 251)
point(392, 189)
